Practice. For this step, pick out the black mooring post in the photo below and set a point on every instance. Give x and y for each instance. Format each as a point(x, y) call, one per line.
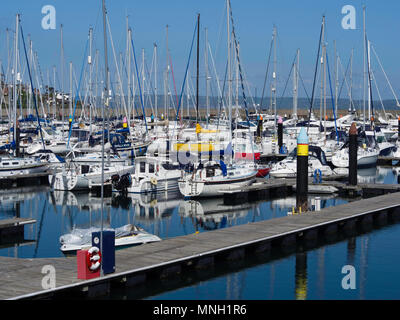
point(302, 172)
point(353, 146)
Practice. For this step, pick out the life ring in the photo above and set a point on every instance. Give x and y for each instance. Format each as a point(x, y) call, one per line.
point(153, 181)
point(93, 259)
point(317, 176)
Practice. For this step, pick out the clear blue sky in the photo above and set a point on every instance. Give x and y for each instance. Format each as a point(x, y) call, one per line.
point(298, 25)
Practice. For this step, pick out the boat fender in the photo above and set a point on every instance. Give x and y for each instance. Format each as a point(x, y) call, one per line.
point(317, 176)
point(93, 259)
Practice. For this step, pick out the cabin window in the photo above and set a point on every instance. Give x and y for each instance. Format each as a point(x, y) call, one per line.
point(210, 172)
point(15, 163)
point(143, 167)
point(151, 167)
point(6, 163)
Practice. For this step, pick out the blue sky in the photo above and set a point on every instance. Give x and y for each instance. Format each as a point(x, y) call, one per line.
point(298, 25)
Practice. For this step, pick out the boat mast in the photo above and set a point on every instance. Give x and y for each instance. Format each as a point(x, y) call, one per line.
point(62, 80)
point(229, 71)
point(364, 64)
point(90, 78)
point(274, 80)
point(106, 89)
point(155, 82)
point(15, 79)
point(296, 85)
point(197, 69)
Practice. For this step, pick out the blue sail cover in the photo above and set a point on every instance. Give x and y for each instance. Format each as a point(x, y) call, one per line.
point(223, 168)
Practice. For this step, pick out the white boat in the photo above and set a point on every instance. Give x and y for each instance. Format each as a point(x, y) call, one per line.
point(152, 174)
point(96, 158)
point(13, 166)
point(48, 157)
point(126, 235)
point(287, 168)
point(320, 189)
point(212, 178)
point(366, 157)
point(74, 176)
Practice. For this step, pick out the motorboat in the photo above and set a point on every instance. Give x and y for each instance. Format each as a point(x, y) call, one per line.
point(73, 176)
point(152, 174)
point(127, 235)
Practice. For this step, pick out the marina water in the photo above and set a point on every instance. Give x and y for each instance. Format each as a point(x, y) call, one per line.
point(304, 273)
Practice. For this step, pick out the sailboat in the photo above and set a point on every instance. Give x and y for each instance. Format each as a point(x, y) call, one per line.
point(210, 178)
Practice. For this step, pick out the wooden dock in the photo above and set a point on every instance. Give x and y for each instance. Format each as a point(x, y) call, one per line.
point(13, 229)
point(24, 278)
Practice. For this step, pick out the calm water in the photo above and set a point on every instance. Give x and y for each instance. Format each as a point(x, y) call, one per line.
point(311, 273)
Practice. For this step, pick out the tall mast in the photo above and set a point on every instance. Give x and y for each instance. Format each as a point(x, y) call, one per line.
point(90, 77)
point(62, 78)
point(70, 89)
point(207, 76)
point(166, 79)
point(274, 79)
point(229, 68)
point(364, 64)
point(106, 93)
point(197, 70)
point(351, 82)
point(15, 78)
point(296, 84)
point(336, 77)
point(155, 82)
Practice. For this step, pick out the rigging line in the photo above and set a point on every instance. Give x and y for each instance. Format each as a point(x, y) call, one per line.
point(241, 78)
point(315, 73)
point(186, 72)
point(140, 90)
point(379, 61)
point(379, 94)
point(304, 87)
point(79, 87)
point(333, 102)
point(344, 78)
point(287, 80)
point(266, 73)
point(33, 90)
point(173, 80)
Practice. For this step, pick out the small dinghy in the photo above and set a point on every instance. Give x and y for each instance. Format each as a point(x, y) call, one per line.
point(126, 235)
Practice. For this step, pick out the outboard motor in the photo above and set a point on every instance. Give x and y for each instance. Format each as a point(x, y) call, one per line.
point(121, 183)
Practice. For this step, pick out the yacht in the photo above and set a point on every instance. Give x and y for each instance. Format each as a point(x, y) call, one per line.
point(317, 164)
point(14, 166)
point(212, 178)
point(152, 174)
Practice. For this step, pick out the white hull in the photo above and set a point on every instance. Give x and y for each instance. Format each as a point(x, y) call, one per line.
point(193, 188)
point(140, 238)
point(148, 185)
point(72, 181)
